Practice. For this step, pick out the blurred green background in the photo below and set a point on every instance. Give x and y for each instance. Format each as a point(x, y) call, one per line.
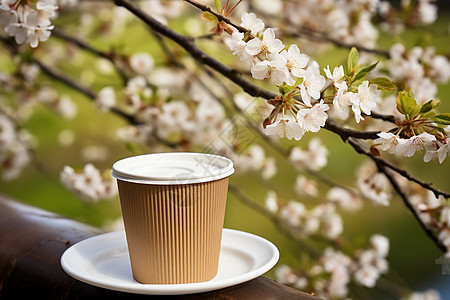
point(412, 256)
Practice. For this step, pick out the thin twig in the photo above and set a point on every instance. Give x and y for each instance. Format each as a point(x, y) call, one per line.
point(379, 161)
point(89, 48)
point(219, 16)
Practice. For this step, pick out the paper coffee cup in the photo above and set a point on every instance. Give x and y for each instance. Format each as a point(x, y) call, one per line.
point(173, 206)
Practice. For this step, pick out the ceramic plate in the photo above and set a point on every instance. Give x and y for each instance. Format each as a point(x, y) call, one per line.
point(103, 261)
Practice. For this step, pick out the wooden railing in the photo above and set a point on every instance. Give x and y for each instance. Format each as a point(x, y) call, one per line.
point(32, 242)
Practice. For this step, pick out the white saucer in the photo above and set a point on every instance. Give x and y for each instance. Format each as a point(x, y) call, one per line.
point(103, 261)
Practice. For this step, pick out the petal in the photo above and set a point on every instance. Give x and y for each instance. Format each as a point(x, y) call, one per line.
point(253, 46)
point(269, 35)
point(305, 96)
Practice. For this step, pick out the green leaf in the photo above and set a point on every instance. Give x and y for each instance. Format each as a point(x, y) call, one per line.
point(407, 105)
point(355, 84)
point(443, 119)
point(429, 106)
point(364, 71)
point(218, 6)
point(209, 17)
point(383, 83)
point(352, 60)
point(284, 89)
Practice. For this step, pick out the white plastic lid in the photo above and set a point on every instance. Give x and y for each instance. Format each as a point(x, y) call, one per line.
point(172, 168)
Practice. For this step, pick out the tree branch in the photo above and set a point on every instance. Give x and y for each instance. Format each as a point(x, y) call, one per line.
point(411, 208)
point(188, 44)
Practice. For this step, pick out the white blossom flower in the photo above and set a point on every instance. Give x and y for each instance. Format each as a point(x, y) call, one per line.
point(237, 45)
point(269, 44)
point(263, 69)
point(373, 185)
point(28, 24)
point(338, 74)
point(367, 276)
point(344, 199)
point(252, 23)
point(380, 243)
point(285, 127)
point(136, 91)
point(387, 141)
point(315, 157)
point(174, 118)
point(285, 275)
point(65, 107)
point(415, 143)
point(427, 11)
point(7, 133)
point(270, 7)
point(426, 295)
point(312, 84)
point(271, 202)
point(269, 168)
point(437, 150)
point(293, 212)
point(288, 65)
point(105, 99)
point(342, 101)
point(142, 63)
point(18, 157)
point(311, 119)
point(365, 100)
point(304, 186)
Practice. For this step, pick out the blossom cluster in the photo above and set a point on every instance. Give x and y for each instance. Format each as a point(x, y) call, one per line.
point(337, 19)
point(28, 21)
point(433, 147)
point(420, 68)
point(335, 270)
point(89, 183)
point(296, 75)
point(322, 219)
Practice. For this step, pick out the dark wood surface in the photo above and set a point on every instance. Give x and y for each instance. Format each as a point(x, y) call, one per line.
point(32, 242)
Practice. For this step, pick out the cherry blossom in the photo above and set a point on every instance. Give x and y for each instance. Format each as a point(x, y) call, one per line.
point(269, 44)
point(26, 23)
point(365, 100)
point(315, 157)
point(271, 202)
point(415, 143)
point(289, 65)
point(304, 186)
point(387, 141)
point(337, 76)
point(437, 150)
point(106, 99)
point(237, 45)
point(344, 199)
point(286, 126)
point(141, 63)
point(311, 119)
point(88, 183)
point(292, 212)
point(312, 84)
point(252, 23)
